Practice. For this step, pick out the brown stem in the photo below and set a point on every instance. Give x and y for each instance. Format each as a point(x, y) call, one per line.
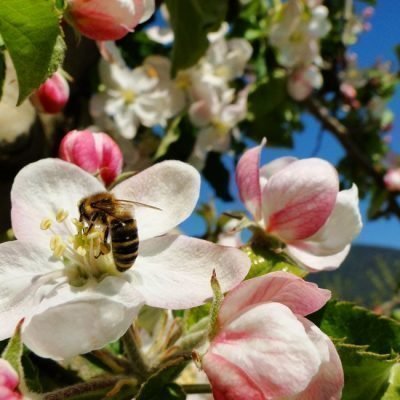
point(343, 135)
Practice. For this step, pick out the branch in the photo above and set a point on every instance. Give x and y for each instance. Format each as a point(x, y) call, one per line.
point(343, 135)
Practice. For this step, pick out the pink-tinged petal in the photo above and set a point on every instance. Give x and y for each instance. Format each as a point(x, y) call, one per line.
point(105, 19)
point(343, 225)
point(248, 180)
point(301, 297)
point(267, 170)
point(78, 147)
point(172, 186)
point(298, 200)
point(271, 347)
point(174, 272)
point(8, 394)
point(41, 189)
point(8, 376)
point(329, 381)
point(315, 263)
point(71, 321)
point(228, 381)
point(22, 266)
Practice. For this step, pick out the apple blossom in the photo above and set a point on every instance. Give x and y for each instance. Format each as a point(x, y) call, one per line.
point(52, 95)
point(216, 115)
point(70, 296)
point(299, 203)
point(96, 153)
point(9, 381)
point(108, 19)
point(265, 348)
point(145, 95)
point(302, 82)
point(392, 179)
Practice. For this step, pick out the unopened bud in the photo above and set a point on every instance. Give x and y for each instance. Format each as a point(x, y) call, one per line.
point(52, 95)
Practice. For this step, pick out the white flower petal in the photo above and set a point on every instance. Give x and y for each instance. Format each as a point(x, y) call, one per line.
point(172, 186)
point(175, 272)
point(315, 263)
point(21, 265)
point(41, 189)
point(74, 321)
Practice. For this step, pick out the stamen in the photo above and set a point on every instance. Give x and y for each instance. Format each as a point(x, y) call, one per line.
point(61, 215)
point(59, 250)
point(81, 251)
point(45, 224)
point(55, 241)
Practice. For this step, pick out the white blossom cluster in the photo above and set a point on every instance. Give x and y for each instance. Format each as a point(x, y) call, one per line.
point(296, 29)
point(149, 96)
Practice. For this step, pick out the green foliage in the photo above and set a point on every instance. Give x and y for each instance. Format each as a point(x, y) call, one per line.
point(264, 260)
point(191, 20)
point(367, 345)
point(271, 112)
point(359, 326)
point(393, 391)
point(13, 352)
point(31, 32)
point(160, 385)
point(366, 373)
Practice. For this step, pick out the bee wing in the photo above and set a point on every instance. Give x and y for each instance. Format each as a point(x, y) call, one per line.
point(127, 204)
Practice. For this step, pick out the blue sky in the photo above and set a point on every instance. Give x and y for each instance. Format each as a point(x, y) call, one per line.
point(376, 44)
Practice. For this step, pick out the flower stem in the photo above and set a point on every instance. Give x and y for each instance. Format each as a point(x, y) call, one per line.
point(196, 388)
point(90, 389)
point(134, 354)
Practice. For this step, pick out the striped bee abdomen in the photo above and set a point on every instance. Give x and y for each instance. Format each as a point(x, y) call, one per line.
point(124, 242)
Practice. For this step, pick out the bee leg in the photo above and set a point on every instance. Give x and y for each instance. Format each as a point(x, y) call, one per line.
point(105, 248)
point(91, 224)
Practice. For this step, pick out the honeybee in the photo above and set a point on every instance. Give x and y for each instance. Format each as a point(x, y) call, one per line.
point(117, 218)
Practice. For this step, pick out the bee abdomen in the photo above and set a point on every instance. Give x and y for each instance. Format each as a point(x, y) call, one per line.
point(125, 243)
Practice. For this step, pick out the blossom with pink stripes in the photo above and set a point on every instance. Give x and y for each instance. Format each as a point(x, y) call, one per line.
point(94, 152)
point(108, 19)
point(265, 348)
point(9, 382)
point(299, 203)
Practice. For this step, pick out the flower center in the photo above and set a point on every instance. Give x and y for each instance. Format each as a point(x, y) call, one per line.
point(82, 249)
point(129, 96)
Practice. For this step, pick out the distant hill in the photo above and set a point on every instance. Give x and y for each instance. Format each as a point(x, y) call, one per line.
point(369, 276)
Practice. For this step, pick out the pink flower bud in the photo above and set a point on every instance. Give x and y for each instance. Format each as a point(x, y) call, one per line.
point(96, 153)
point(392, 180)
point(52, 95)
point(8, 382)
point(108, 19)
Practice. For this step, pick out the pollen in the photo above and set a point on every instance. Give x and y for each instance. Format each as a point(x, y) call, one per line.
point(61, 215)
point(45, 224)
point(81, 251)
point(55, 241)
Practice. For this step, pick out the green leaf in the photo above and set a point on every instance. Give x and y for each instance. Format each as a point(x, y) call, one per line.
point(13, 352)
point(31, 33)
point(264, 261)
point(171, 136)
point(358, 326)
point(160, 384)
point(366, 375)
point(393, 391)
point(191, 20)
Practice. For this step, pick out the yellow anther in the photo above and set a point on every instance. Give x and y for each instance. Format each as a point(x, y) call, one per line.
point(61, 215)
point(78, 224)
point(129, 96)
point(59, 250)
point(55, 241)
point(81, 251)
point(151, 72)
point(45, 224)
